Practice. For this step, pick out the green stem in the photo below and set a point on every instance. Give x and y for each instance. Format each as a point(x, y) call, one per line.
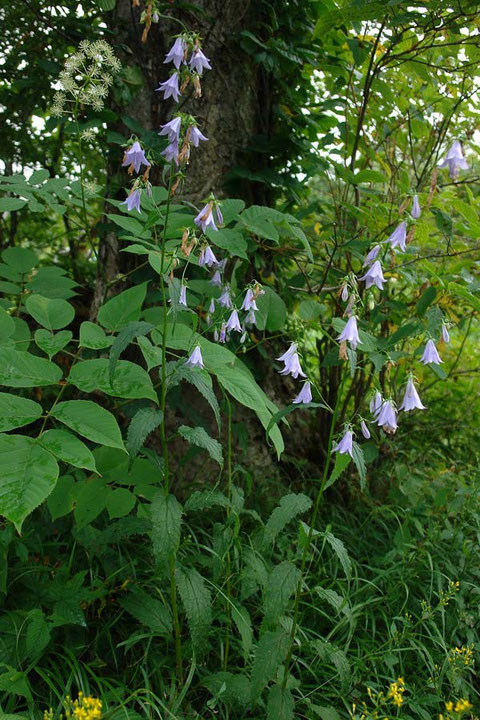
point(228, 568)
point(308, 542)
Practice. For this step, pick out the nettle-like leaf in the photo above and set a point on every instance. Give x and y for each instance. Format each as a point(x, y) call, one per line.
point(149, 611)
point(145, 421)
point(280, 704)
point(123, 339)
point(282, 583)
point(271, 651)
point(290, 506)
point(166, 526)
point(197, 603)
point(199, 437)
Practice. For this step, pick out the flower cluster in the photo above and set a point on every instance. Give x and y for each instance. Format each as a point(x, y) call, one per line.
point(85, 707)
point(454, 711)
point(134, 158)
point(189, 61)
point(380, 702)
point(86, 77)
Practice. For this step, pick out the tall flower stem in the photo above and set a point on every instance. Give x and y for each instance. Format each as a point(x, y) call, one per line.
point(311, 530)
point(228, 562)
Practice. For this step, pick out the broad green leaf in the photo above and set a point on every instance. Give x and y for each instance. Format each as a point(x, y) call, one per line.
point(38, 635)
point(282, 583)
point(280, 703)
point(127, 223)
point(21, 336)
point(341, 463)
point(290, 506)
point(11, 203)
point(29, 473)
point(359, 461)
point(199, 437)
point(148, 611)
point(272, 311)
point(197, 603)
point(124, 338)
point(106, 5)
point(230, 240)
point(91, 498)
point(129, 381)
point(205, 499)
point(15, 682)
point(8, 288)
point(257, 219)
point(20, 369)
point(69, 448)
point(61, 501)
point(90, 420)
point(426, 298)
point(230, 688)
point(123, 308)
point(7, 325)
point(369, 176)
point(50, 282)
point(340, 551)
point(120, 502)
point(52, 314)
point(166, 526)
point(93, 336)
point(270, 653)
point(309, 310)
point(202, 381)
point(325, 713)
point(141, 425)
point(17, 411)
point(52, 343)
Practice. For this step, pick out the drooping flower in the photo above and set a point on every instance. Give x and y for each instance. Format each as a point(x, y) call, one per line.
point(182, 300)
point(199, 61)
point(345, 446)
point(135, 158)
point(398, 237)
point(211, 308)
point(445, 334)
point(374, 276)
point(205, 219)
point(430, 354)
point(172, 129)
point(216, 279)
point(376, 403)
point(372, 255)
point(411, 398)
point(345, 293)
point(133, 200)
point(195, 358)
point(196, 136)
point(176, 54)
point(416, 209)
point(387, 417)
point(454, 160)
point(288, 353)
point(292, 366)
point(223, 333)
point(171, 152)
point(170, 88)
point(305, 394)
point(207, 258)
point(350, 333)
point(249, 301)
point(219, 215)
point(250, 318)
point(233, 322)
point(365, 430)
point(225, 300)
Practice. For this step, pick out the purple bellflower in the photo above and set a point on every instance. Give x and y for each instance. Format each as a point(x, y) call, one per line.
point(249, 301)
point(199, 61)
point(398, 237)
point(182, 300)
point(205, 219)
point(387, 417)
point(292, 366)
point(196, 136)
point(219, 215)
point(216, 279)
point(376, 403)
point(171, 152)
point(416, 209)
point(445, 334)
point(233, 322)
point(454, 160)
point(211, 308)
point(350, 333)
point(172, 129)
point(195, 358)
point(288, 353)
point(345, 293)
point(170, 88)
point(133, 200)
point(430, 354)
point(411, 399)
point(251, 318)
point(374, 276)
point(365, 430)
point(225, 300)
point(207, 258)
point(135, 158)
point(223, 333)
point(372, 255)
point(345, 446)
point(305, 394)
point(176, 54)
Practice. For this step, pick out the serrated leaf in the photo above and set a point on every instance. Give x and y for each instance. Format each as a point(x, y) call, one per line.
point(230, 688)
point(342, 461)
point(290, 506)
point(37, 636)
point(124, 338)
point(197, 603)
point(270, 653)
point(198, 436)
point(205, 499)
point(166, 526)
point(340, 551)
point(281, 585)
point(149, 611)
point(202, 381)
point(359, 460)
point(141, 425)
point(280, 704)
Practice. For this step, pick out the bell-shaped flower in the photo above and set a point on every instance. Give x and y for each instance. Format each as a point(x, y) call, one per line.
point(204, 219)
point(387, 417)
point(176, 54)
point(195, 358)
point(416, 209)
point(374, 276)
point(365, 430)
point(196, 136)
point(216, 279)
point(288, 353)
point(250, 318)
point(133, 200)
point(399, 237)
point(223, 333)
point(445, 334)
point(172, 130)
point(345, 446)
point(211, 307)
point(233, 322)
point(170, 88)
point(171, 152)
point(207, 258)
point(454, 160)
point(292, 366)
point(219, 214)
point(430, 354)
point(249, 301)
point(376, 403)
point(225, 300)
point(305, 394)
point(345, 293)
point(135, 158)
point(372, 255)
point(350, 333)
point(411, 398)
point(182, 300)
point(199, 62)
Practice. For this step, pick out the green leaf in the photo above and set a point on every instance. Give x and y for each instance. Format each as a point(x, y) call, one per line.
point(243, 623)
point(280, 703)
point(90, 501)
point(198, 436)
point(231, 689)
point(52, 343)
point(369, 176)
point(123, 308)
point(141, 425)
point(11, 203)
point(270, 653)
point(90, 420)
point(326, 713)
point(29, 474)
point(282, 583)
point(272, 311)
point(341, 463)
point(127, 223)
point(20, 369)
point(309, 310)
point(62, 499)
point(38, 635)
point(166, 526)
point(68, 448)
point(93, 336)
point(38, 177)
point(106, 5)
point(289, 409)
point(15, 682)
point(120, 502)
point(202, 381)
point(8, 288)
point(148, 611)
point(290, 506)
point(359, 461)
point(129, 381)
point(425, 300)
point(52, 314)
point(7, 325)
point(51, 283)
point(197, 603)
point(16, 411)
point(230, 240)
point(257, 220)
point(21, 336)
point(124, 338)
point(205, 499)
point(340, 551)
